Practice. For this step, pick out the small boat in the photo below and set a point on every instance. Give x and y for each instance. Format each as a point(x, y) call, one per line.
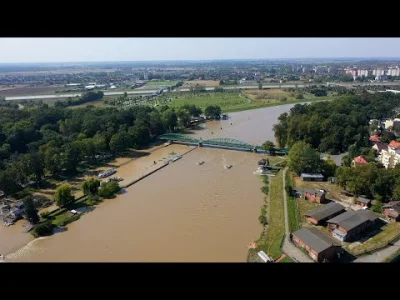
point(228, 166)
point(199, 163)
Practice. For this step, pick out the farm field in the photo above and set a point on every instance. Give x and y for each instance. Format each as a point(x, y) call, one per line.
point(165, 82)
point(28, 90)
point(207, 83)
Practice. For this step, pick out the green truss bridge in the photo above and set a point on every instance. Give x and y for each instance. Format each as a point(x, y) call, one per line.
point(219, 142)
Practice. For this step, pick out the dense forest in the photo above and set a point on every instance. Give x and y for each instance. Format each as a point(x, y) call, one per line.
point(43, 140)
point(334, 126)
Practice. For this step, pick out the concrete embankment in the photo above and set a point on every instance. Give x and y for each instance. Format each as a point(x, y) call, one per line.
point(152, 172)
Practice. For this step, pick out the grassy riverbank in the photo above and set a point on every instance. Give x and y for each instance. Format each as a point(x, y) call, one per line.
point(293, 213)
point(271, 238)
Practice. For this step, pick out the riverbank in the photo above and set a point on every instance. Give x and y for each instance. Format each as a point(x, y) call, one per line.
point(131, 170)
point(273, 232)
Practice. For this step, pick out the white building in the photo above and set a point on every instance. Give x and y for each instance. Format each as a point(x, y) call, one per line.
point(363, 73)
point(390, 157)
point(378, 72)
point(393, 71)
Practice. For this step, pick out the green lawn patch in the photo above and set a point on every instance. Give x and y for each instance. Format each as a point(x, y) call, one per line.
point(166, 82)
point(287, 259)
point(271, 239)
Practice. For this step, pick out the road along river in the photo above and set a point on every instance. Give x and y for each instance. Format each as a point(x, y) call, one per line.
point(182, 213)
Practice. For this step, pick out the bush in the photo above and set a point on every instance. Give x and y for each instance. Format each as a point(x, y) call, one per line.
point(283, 99)
point(263, 220)
point(43, 229)
point(45, 214)
point(377, 208)
point(299, 96)
point(265, 189)
point(109, 189)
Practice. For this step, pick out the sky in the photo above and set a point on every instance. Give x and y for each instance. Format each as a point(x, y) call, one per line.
point(18, 50)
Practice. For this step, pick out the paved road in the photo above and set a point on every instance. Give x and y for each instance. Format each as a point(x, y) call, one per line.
point(380, 255)
point(288, 248)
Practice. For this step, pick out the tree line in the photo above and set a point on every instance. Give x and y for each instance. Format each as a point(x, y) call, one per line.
point(39, 141)
point(334, 126)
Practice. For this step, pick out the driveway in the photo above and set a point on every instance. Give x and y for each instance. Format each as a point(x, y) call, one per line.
point(380, 255)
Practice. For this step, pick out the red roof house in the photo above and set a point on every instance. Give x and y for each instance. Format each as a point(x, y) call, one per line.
point(375, 139)
point(359, 160)
point(394, 144)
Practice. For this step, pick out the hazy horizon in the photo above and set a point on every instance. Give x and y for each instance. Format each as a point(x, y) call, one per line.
point(92, 50)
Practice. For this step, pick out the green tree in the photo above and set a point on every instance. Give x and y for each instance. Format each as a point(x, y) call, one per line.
point(260, 87)
point(270, 147)
point(125, 94)
point(109, 189)
point(71, 157)
point(169, 119)
point(396, 193)
point(221, 82)
point(43, 229)
point(91, 186)
point(52, 160)
point(280, 134)
point(63, 195)
point(304, 159)
point(31, 211)
point(299, 96)
point(213, 111)
point(183, 117)
point(34, 165)
point(328, 167)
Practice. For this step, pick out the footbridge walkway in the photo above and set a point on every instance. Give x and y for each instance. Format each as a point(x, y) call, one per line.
point(219, 142)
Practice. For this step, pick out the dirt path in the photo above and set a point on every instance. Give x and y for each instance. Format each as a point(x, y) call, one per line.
point(288, 248)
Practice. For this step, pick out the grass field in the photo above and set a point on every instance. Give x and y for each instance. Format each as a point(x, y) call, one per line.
point(388, 232)
point(228, 101)
point(271, 240)
point(332, 189)
point(28, 90)
point(166, 82)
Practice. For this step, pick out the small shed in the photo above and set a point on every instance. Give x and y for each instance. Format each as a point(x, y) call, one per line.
point(363, 202)
point(312, 177)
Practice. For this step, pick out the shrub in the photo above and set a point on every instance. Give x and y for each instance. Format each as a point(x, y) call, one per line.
point(265, 189)
point(299, 96)
point(43, 229)
point(263, 220)
point(109, 189)
point(70, 220)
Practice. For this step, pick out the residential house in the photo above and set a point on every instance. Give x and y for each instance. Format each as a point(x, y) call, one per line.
point(378, 147)
point(350, 225)
point(392, 210)
point(319, 246)
point(359, 161)
point(314, 195)
point(363, 202)
point(390, 157)
point(375, 139)
point(312, 177)
point(324, 212)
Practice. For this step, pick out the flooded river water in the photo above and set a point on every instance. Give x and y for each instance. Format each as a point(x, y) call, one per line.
point(182, 213)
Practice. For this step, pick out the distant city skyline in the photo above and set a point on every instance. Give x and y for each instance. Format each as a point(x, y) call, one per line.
point(71, 50)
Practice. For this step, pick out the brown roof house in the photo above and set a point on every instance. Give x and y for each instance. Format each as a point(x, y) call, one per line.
point(324, 212)
point(319, 246)
point(363, 202)
point(378, 147)
point(350, 225)
point(392, 210)
point(359, 161)
point(314, 195)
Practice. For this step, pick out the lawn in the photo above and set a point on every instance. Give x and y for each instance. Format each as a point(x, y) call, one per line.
point(229, 101)
point(287, 259)
point(304, 206)
point(166, 82)
point(381, 239)
point(58, 216)
point(332, 189)
point(271, 240)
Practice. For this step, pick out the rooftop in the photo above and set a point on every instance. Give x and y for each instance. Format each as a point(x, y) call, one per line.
point(394, 144)
point(315, 238)
point(360, 160)
point(393, 205)
point(381, 146)
point(364, 200)
point(325, 211)
point(312, 191)
point(352, 219)
point(375, 138)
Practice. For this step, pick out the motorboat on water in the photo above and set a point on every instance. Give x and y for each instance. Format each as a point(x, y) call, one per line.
point(199, 163)
point(228, 166)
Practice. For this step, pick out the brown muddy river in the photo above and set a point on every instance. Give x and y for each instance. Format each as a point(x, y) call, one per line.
point(182, 213)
